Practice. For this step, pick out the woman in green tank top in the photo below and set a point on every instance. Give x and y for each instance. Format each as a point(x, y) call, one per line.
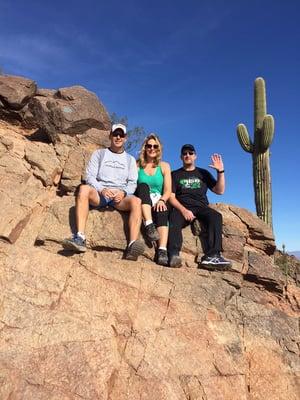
point(154, 189)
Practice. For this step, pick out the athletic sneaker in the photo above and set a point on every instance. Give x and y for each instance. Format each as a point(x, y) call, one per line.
point(134, 250)
point(151, 232)
point(162, 257)
point(76, 243)
point(175, 261)
point(215, 262)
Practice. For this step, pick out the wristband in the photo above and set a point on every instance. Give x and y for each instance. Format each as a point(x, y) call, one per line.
point(221, 172)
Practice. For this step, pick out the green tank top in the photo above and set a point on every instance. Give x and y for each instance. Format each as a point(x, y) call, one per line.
point(155, 182)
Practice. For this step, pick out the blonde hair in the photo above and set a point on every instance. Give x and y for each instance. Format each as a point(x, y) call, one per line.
point(142, 160)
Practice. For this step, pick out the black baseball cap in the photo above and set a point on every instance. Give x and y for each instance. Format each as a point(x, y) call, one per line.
point(187, 147)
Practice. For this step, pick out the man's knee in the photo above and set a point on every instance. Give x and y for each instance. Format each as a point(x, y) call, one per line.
point(84, 191)
point(135, 203)
point(215, 217)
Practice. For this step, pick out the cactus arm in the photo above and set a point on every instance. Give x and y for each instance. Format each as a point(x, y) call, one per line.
point(244, 138)
point(260, 106)
point(267, 133)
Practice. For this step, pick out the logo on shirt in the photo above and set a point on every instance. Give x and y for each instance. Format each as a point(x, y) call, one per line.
point(114, 164)
point(190, 183)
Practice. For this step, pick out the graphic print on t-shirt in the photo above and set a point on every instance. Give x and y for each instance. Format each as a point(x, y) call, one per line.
point(190, 187)
point(190, 183)
point(114, 164)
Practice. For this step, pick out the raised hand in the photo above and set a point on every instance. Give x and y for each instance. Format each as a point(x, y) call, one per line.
point(216, 162)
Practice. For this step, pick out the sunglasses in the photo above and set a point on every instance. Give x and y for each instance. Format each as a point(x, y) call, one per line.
point(150, 146)
point(188, 153)
point(118, 133)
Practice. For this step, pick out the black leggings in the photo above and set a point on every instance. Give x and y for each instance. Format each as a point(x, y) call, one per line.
point(211, 218)
point(160, 218)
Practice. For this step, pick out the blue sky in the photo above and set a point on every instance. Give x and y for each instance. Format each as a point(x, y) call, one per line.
point(183, 69)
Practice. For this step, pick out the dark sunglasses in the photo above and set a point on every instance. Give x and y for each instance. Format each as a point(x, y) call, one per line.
point(150, 146)
point(118, 133)
point(188, 153)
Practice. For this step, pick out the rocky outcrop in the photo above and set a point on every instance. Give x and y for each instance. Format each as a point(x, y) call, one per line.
point(104, 231)
point(95, 326)
point(15, 91)
point(71, 110)
point(15, 94)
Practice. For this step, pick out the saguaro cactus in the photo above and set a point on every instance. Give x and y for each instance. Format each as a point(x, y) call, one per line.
point(263, 136)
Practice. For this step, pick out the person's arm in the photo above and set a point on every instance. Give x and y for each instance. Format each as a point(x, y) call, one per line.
point(217, 164)
point(188, 215)
point(132, 177)
point(166, 171)
point(92, 170)
point(161, 205)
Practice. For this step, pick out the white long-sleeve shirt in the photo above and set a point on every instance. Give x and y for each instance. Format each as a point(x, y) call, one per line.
point(107, 169)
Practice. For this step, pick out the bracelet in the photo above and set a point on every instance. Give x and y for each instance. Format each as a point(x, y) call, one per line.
point(162, 200)
point(221, 172)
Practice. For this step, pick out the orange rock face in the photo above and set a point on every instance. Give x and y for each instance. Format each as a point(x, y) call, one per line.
point(95, 326)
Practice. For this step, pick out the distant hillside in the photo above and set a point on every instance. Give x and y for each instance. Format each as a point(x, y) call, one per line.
point(295, 253)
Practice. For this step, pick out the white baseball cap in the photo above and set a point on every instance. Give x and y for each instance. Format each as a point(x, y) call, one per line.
point(118, 126)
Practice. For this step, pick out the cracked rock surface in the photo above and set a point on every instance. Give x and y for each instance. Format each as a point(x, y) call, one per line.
point(95, 326)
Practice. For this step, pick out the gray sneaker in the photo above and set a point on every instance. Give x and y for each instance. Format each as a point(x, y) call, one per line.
point(162, 257)
point(134, 250)
point(215, 262)
point(151, 233)
point(175, 261)
point(76, 244)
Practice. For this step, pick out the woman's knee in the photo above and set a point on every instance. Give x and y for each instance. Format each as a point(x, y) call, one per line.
point(143, 192)
point(142, 188)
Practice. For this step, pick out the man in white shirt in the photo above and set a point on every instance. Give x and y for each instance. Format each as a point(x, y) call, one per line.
point(111, 177)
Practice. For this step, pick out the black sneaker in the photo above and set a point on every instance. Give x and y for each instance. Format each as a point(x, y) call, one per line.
point(175, 261)
point(215, 262)
point(162, 257)
point(151, 232)
point(134, 250)
point(76, 243)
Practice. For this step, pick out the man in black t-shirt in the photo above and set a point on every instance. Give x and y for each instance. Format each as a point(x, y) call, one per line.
point(189, 201)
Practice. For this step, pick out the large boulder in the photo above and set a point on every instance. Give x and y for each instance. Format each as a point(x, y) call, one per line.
point(16, 91)
point(15, 94)
point(107, 230)
point(70, 110)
